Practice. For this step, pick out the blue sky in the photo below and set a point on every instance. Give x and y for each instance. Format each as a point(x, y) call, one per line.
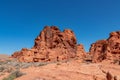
point(22, 20)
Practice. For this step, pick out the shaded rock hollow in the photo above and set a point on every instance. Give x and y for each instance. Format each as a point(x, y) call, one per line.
point(51, 45)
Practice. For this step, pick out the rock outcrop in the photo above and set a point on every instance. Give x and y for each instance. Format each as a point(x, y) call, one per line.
point(50, 45)
point(81, 54)
point(107, 50)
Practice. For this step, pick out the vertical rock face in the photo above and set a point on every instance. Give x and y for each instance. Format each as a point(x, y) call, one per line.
point(107, 49)
point(50, 45)
point(80, 51)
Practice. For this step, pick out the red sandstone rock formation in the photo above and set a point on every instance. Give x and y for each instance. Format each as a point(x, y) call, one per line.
point(107, 49)
point(80, 51)
point(51, 45)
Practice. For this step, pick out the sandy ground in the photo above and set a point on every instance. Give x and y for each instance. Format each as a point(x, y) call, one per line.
point(73, 70)
point(4, 57)
point(4, 75)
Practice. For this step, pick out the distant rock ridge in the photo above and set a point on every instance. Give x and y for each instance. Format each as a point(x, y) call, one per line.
point(52, 45)
point(107, 50)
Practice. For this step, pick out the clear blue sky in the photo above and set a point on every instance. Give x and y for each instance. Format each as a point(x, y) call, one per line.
point(22, 20)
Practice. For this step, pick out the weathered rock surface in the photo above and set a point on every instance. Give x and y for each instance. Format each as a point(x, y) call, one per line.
point(51, 45)
point(81, 54)
point(107, 50)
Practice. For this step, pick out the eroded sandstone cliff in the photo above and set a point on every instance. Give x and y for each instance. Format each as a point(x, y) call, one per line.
point(51, 45)
point(107, 50)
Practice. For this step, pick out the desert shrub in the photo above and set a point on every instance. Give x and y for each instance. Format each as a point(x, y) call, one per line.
point(1, 62)
point(37, 64)
point(14, 75)
point(116, 62)
point(58, 63)
point(25, 65)
point(11, 77)
point(2, 69)
point(9, 70)
point(41, 64)
point(6, 68)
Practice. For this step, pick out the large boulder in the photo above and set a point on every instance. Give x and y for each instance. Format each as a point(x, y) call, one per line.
point(107, 50)
point(51, 45)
